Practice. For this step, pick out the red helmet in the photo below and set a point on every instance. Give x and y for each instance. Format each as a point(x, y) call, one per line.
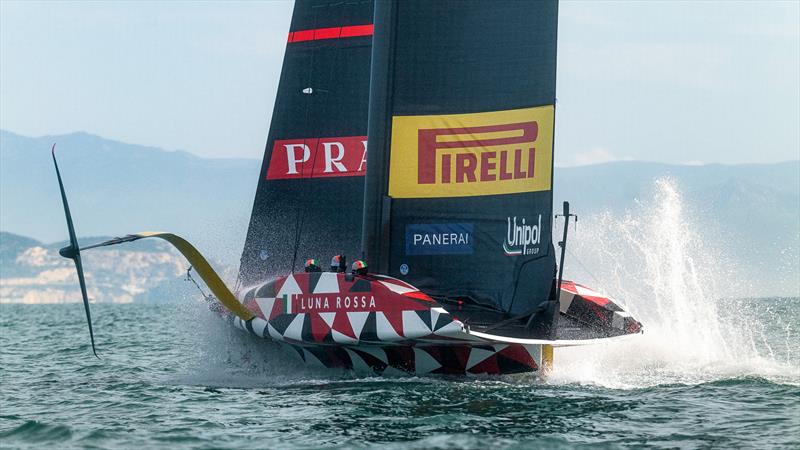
point(359, 267)
point(312, 265)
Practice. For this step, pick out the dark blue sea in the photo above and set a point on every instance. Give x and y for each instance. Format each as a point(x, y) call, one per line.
point(175, 376)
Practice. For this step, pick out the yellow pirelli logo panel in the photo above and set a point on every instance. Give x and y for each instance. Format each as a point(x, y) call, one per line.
point(466, 155)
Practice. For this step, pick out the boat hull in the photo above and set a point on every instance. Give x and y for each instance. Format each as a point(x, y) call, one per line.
point(383, 325)
point(374, 324)
point(420, 359)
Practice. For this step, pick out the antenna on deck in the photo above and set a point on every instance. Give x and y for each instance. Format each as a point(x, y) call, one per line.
point(563, 244)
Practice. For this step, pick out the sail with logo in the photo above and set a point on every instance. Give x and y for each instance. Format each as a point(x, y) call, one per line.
point(459, 187)
point(310, 191)
point(456, 102)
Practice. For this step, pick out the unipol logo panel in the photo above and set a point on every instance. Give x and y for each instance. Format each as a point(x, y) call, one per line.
point(465, 155)
point(318, 158)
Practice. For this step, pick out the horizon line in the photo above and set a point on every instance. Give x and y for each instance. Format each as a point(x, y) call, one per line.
point(558, 165)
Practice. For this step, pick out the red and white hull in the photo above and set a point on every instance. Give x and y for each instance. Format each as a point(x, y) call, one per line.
point(383, 325)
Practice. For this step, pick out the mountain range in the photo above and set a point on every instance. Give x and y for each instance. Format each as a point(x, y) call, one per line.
point(751, 210)
point(117, 188)
point(33, 272)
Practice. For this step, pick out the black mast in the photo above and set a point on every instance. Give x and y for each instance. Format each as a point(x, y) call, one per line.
point(377, 205)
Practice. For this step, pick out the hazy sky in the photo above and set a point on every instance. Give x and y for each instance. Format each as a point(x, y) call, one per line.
point(678, 82)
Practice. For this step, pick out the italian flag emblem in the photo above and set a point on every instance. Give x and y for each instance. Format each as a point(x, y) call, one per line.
point(287, 304)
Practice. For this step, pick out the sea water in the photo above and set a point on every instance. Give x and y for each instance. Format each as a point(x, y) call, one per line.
point(712, 370)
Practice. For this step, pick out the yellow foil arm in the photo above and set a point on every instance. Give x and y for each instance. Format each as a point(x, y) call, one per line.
point(206, 272)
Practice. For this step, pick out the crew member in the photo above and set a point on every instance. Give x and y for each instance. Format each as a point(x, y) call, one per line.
point(359, 267)
point(338, 264)
point(312, 265)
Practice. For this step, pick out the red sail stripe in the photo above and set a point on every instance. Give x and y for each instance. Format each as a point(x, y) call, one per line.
point(330, 33)
point(357, 30)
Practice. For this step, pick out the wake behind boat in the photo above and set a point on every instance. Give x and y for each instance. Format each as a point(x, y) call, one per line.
point(450, 212)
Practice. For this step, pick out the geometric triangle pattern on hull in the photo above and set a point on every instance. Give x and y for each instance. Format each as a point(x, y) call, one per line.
point(335, 309)
point(595, 310)
point(427, 360)
point(375, 324)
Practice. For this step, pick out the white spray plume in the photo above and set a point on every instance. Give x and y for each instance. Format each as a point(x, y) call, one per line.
point(682, 287)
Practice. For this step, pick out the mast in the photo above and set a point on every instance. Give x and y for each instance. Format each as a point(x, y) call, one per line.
point(379, 127)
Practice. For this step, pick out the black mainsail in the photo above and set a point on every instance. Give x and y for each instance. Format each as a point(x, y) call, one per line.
point(309, 199)
point(459, 185)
